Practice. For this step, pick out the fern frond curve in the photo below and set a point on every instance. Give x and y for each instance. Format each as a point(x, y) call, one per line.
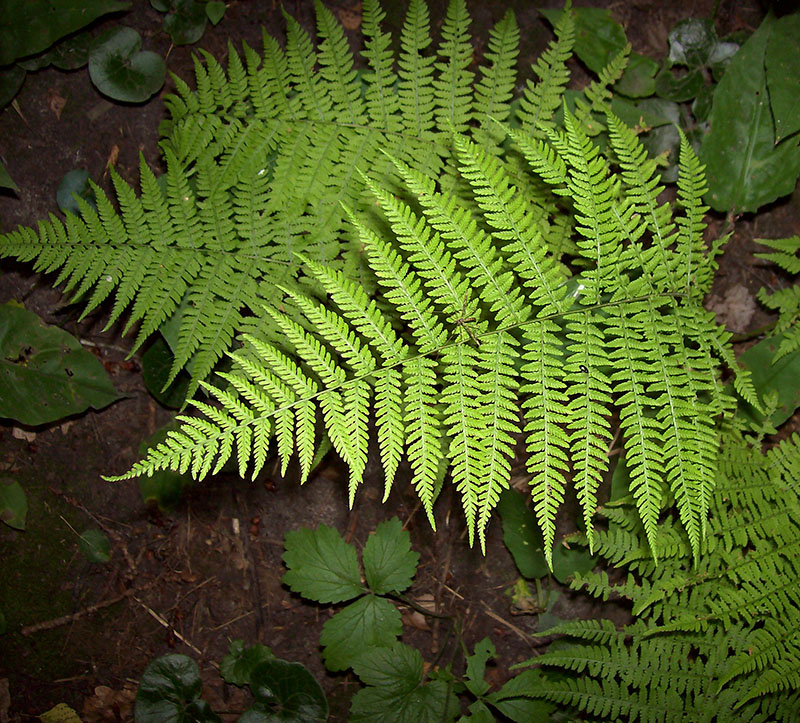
point(479, 337)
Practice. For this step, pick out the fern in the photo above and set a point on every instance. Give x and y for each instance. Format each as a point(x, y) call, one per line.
point(720, 637)
point(481, 326)
point(260, 157)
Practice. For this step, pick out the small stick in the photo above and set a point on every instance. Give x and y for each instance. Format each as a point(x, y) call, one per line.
point(65, 619)
point(522, 634)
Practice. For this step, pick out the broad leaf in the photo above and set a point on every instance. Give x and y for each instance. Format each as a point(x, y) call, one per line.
point(783, 70)
point(367, 623)
point(322, 566)
point(215, 11)
point(169, 692)
point(745, 169)
point(11, 80)
point(187, 23)
point(157, 362)
point(521, 534)
point(287, 692)
point(75, 183)
point(95, 547)
point(515, 699)
point(45, 374)
point(238, 665)
point(476, 667)
point(389, 561)
point(123, 72)
point(13, 503)
point(28, 27)
point(395, 690)
point(5, 179)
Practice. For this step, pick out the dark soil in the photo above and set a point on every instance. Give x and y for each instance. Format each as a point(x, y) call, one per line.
point(194, 578)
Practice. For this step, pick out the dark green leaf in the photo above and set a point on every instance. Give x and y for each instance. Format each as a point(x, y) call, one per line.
point(322, 566)
point(169, 692)
point(214, 11)
point(570, 560)
point(638, 80)
point(598, 37)
point(74, 183)
point(692, 42)
point(11, 81)
point(389, 561)
point(521, 534)
point(289, 692)
point(2, 622)
point(367, 623)
point(678, 88)
point(13, 503)
point(701, 107)
point(45, 374)
point(156, 365)
point(744, 168)
point(123, 72)
point(781, 376)
point(476, 667)
point(395, 691)
point(187, 24)
point(95, 547)
point(237, 666)
point(516, 701)
point(28, 27)
point(163, 6)
point(647, 113)
point(5, 180)
point(783, 75)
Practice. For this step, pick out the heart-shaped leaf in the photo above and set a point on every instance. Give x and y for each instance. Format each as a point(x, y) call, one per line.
point(187, 24)
point(120, 70)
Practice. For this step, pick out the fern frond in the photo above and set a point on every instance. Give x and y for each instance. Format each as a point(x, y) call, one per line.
point(453, 86)
point(415, 87)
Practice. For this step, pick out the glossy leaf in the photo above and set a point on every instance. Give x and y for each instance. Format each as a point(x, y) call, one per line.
point(240, 662)
point(74, 183)
point(745, 169)
point(45, 374)
point(169, 692)
point(322, 566)
point(13, 503)
point(124, 72)
point(389, 561)
point(28, 27)
point(287, 692)
point(95, 547)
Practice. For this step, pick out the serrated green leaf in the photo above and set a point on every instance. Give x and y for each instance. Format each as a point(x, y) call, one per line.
point(389, 561)
point(322, 566)
point(169, 692)
point(395, 690)
point(365, 624)
point(289, 692)
point(744, 168)
point(782, 62)
point(478, 713)
point(13, 503)
point(598, 37)
point(45, 374)
point(120, 70)
point(28, 27)
point(238, 665)
point(476, 667)
point(95, 547)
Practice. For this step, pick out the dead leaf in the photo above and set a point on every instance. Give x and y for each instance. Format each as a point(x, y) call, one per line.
point(108, 705)
point(56, 102)
point(416, 620)
point(18, 433)
point(113, 156)
point(350, 18)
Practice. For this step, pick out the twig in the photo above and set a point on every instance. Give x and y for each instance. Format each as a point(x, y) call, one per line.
point(65, 619)
point(522, 634)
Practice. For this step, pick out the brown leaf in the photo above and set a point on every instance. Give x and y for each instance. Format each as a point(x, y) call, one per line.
point(56, 102)
point(350, 18)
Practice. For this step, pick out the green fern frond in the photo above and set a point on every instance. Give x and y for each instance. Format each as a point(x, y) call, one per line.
point(481, 334)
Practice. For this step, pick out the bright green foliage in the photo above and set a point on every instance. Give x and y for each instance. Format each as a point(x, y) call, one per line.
point(259, 159)
point(716, 640)
point(490, 327)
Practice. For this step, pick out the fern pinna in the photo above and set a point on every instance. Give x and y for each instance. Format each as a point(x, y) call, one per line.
point(715, 641)
point(259, 159)
point(480, 324)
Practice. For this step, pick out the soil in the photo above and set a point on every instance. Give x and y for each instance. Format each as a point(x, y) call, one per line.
point(208, 571)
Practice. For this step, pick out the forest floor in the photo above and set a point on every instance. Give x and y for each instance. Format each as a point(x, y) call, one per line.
point(208, 571)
